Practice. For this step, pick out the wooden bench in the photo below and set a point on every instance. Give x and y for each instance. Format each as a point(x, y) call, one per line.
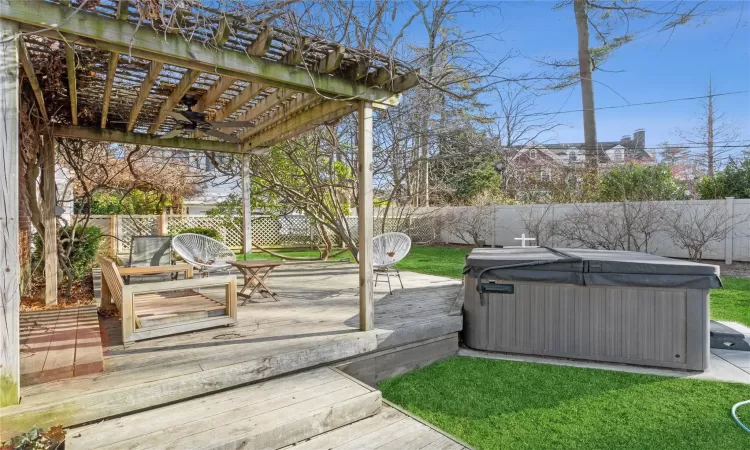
point(151, 310)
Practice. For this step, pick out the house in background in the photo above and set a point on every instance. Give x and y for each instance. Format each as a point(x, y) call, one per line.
point(528, 170)
point(629, 149)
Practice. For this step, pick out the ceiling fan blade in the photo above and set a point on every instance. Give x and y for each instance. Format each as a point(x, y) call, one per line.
point(222, 136)
point(235, 124)
point(172, 134)
point(176, 115)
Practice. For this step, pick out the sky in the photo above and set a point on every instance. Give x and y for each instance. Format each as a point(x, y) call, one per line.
point(653, 68)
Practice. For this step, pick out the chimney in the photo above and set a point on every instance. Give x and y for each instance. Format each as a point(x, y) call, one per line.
point(639, 136)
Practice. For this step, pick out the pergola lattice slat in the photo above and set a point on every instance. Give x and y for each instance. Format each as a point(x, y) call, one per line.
point(143, 92)
point(124, 37)
point(114, 59)
point(23, 56)
point(179, 91)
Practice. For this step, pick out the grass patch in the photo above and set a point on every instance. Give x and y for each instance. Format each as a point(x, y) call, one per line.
point(298, 254)
point(439, 260)
point(494, 404)
point(733, 302)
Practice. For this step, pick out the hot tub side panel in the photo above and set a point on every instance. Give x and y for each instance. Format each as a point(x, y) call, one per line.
point(645, 326)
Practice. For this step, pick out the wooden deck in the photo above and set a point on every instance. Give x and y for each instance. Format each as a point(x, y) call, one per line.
point(60, 343)
point(315, 323)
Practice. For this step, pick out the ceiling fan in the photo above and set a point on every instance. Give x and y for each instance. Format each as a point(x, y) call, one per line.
point(196, 121)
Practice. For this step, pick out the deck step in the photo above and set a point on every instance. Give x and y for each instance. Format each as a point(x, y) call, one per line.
point(390, 429)
point(81, 406)
point(268, 415)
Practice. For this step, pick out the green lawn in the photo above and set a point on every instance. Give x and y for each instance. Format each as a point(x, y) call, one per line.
point(443, 261)
point(731, 303)
point(298, 254)
point(493, 404)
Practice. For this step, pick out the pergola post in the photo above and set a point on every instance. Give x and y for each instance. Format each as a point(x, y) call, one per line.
point(365, 218)
point(9, 256)
point(247, 227)
point(50, 222)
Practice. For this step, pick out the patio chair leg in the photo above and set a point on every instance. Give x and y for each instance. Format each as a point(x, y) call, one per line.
point(399, 278)
point(388, 275)
point(377, 275)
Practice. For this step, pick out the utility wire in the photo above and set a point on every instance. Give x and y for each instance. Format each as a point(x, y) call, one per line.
point(658, 102)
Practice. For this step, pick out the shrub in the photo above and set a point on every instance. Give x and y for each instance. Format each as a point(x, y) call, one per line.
point(210, 232)
point(733, 181)
point(85, 248)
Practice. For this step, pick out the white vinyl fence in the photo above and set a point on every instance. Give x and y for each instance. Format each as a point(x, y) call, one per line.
point(628, 226)
point(288, 231)
point(602, 225)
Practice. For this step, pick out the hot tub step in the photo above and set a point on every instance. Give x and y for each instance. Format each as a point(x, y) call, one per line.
point(727, 338)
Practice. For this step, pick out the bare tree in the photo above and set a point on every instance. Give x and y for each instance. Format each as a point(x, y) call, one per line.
point(627, 226)
point(714, 134)
point(540, 223)
point(469, 224)
point(519, 123)
point(694, 226)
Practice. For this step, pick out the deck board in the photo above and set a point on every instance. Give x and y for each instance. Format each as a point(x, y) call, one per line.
point(314, 323)
point(60, 343)
point(273, 412)
point(388, 430)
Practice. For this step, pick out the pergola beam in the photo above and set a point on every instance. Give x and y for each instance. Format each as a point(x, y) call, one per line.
point(294, 56)
point(322, 113)
point(331, 61)
point(139, 41)
point(268, 102)
point(178, 92)
point(124, 137)
point(114, 59)
point(223, 32)
point(297, 104)
point(262, 42)
point(247, 94)
point(214, 93)
point(143, 92)
point(70, 62)
point(23, 56)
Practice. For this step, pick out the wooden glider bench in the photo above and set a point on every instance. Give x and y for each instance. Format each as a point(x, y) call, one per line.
point(151, 310)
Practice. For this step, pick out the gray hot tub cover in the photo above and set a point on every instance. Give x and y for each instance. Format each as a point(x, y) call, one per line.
point(590, 267)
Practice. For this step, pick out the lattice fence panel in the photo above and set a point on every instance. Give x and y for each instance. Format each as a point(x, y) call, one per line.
point(230, 234)
point(420, 229)
point(129, 226)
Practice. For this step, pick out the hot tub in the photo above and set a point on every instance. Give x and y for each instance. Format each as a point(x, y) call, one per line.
point(599, 305)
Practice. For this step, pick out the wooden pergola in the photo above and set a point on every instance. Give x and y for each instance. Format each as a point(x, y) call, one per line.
point(127, 73)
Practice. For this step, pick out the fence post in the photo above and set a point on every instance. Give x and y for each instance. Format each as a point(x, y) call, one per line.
point(112, 225)
point(161, 223)
point(729, 239)
point(494, 225)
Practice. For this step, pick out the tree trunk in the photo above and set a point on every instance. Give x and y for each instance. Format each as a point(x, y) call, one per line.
point(587, 86)
point(710, 130)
